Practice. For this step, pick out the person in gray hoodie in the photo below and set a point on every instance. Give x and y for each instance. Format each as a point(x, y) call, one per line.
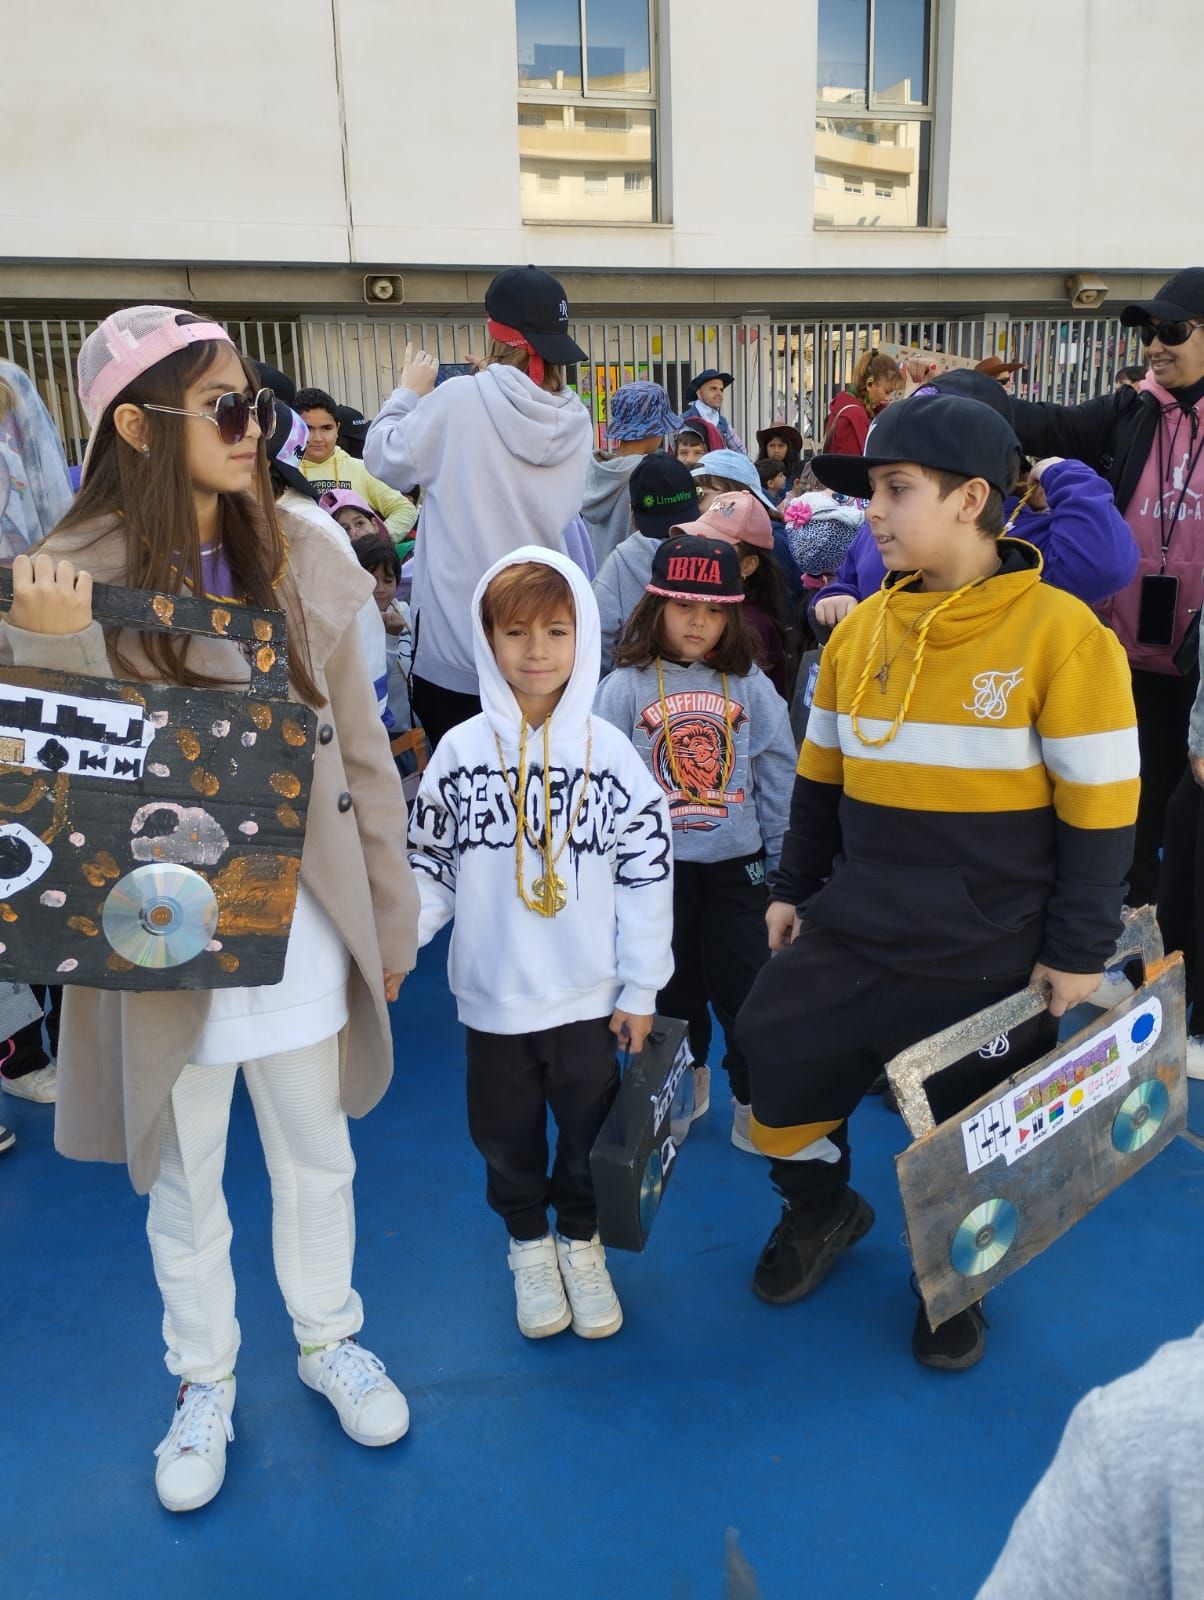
point(640, 418)
point(501, 458)
point(661, 494)
point(715, 735)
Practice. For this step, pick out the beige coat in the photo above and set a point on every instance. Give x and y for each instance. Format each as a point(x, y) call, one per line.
point(121, 1052)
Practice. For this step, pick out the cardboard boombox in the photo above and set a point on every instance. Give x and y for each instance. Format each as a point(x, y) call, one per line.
point(150, 836)
point(990, 1188)
point(635, 1153)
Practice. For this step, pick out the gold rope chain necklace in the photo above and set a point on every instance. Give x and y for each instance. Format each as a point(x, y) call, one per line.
point(729, 745)
point(921, 624)
point(549, 893)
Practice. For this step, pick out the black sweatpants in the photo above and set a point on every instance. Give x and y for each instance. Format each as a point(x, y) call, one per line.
point(29, 1052)
point(820, 1024)
point(1163, 709)
point(439, 709)
point(719, 946)
point(1181, 888)
point(512, 1080)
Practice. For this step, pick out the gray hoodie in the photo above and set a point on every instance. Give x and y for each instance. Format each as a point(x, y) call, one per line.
point(619, 588)
point(502, 463)
point(752, 811)
point(606, 504)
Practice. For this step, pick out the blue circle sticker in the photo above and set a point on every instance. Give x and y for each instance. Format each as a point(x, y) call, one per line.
point(1143, 1027)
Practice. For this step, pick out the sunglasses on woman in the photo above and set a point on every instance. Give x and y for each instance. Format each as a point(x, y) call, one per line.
point(231, 414)
point(1168, 333)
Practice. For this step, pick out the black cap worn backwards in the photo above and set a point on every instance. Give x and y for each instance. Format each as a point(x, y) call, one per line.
point(663, 494)
point(1180, 299)
point(534, 303)
point(943, 432)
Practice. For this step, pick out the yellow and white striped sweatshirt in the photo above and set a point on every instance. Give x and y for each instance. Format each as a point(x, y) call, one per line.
point(996, 827)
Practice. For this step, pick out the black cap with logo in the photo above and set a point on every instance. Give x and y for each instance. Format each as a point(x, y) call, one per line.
point(663, 494)
point(1180, 299)
point(944, 432)
point(534, 303)
point(689, 568)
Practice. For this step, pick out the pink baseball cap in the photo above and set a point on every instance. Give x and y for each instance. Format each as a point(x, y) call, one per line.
point(130, 342)
point(739, 517)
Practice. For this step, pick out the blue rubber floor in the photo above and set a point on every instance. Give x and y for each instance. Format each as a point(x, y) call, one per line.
point(560, 1468)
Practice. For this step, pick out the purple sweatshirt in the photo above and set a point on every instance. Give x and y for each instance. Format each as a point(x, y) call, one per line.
point(1084, 541)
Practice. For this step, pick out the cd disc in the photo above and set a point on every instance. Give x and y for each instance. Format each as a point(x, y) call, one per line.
point(984, 1237)
point(650, 1191)
point(160, 915)
point(1140, 1115)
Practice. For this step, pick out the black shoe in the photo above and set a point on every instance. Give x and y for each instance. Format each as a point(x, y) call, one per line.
point(7, 1139)
point(955, 1345)
point(801, 1250)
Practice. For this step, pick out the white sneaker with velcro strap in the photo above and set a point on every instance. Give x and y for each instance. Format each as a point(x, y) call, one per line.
point(538, 1288)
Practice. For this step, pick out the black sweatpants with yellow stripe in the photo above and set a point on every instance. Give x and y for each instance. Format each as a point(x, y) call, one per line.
point(817, 1028)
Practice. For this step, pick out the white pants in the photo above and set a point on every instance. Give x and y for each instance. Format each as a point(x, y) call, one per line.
point(308, 1152)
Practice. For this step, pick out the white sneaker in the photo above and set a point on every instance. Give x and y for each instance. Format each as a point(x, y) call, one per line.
point(40, 1085)
point(538, 1288)
point(7, 1139)
point(1113, 989)
point(371, 1408)
point(192, 1458)
point(741, 1136)
point(1195, 1055)
point(595, 1305)
point(702, 1092)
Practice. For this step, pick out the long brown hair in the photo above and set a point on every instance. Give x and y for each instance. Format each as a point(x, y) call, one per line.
point(505, 355)
point(152, 494)
point(643, 639)
point(872, 366)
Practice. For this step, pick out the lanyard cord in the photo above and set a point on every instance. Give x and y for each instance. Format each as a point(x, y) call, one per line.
point(729, 746)
point(1166, 533)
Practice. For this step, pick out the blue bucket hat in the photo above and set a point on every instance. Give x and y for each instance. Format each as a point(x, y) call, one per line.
point(640, 410)
point(733, 464)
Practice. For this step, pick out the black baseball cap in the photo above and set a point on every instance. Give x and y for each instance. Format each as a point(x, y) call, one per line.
point(705, 376)
point(970, 385)
point(663, 494)
point(534, 303)
point(944, 432)
point(689, 568)
point(1180, 299)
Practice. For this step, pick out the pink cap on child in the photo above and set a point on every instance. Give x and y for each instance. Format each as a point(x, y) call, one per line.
point(129, 343)
point(739, 517)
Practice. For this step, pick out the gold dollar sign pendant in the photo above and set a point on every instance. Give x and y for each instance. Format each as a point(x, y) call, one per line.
point(550, 894)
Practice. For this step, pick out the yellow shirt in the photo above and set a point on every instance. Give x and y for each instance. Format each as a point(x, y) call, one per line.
point(343, 471)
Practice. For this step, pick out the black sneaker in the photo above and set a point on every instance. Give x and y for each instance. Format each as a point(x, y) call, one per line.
point(955, 1345)
point(801, 1251)
point(7, 1139)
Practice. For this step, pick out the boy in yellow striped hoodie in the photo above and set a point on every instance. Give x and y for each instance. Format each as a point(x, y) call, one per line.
point(961, 825)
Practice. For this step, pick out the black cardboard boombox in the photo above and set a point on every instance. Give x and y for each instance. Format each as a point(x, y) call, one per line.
point(150, 836)
point(990, 1188)
point(635, 1153)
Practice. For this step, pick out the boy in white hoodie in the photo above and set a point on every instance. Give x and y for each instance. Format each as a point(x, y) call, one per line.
point(565, 926)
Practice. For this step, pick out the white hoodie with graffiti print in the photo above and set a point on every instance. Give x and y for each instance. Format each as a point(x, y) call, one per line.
point(511, 969)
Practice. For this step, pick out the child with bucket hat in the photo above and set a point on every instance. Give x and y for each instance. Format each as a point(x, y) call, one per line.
point(714, 733)
point(640, 420)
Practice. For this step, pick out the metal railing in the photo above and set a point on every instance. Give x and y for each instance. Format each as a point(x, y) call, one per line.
point(782, 371)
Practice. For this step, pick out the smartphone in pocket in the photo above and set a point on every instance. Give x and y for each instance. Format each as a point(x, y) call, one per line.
point(1156, 615)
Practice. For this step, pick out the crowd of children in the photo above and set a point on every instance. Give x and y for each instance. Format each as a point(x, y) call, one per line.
point(615, 816)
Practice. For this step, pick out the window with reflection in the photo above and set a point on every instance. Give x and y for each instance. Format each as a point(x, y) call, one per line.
point(873, 113)
point(587, 112)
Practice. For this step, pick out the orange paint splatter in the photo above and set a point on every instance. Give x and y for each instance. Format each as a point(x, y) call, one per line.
point(7, 914)
point(262, 629)
point(256, 894)
point(227, 962)
point(260, 715)
point(83, 925)
point(203, 782)
point(117, 963)
point(190, 745)
point(100, 869)
point(164, 609)
point(292, 733)
point(265, 658)
point(286, 783)
point(287, 817)
point(220, 618)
